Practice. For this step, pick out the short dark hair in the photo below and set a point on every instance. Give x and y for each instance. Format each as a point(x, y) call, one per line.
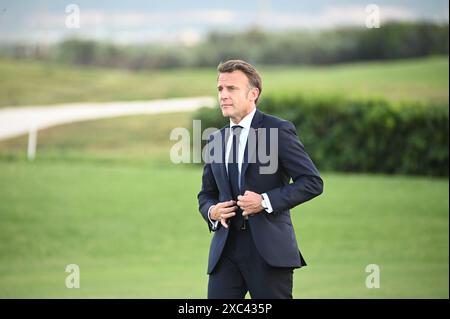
point(238, 65)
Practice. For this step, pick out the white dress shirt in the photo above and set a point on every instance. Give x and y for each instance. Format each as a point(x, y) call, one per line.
point(246, 124)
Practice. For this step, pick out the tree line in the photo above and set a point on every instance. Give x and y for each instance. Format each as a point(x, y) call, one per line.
point(393, 40)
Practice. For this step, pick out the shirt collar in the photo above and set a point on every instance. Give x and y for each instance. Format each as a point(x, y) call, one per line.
point(246, 121)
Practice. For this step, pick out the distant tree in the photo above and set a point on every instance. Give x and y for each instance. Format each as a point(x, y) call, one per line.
point(345, 44)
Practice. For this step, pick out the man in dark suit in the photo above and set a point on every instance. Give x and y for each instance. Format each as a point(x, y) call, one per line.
point(244, 201)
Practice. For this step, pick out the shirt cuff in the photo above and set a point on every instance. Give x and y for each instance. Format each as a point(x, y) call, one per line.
point(214, 223)
point(269, 206)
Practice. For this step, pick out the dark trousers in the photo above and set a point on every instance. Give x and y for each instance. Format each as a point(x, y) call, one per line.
point(241, 269)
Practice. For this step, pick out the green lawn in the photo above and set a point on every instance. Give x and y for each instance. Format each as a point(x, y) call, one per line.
point(34, 83)
point(137, 137)
point(134, 230)
point(103, 195)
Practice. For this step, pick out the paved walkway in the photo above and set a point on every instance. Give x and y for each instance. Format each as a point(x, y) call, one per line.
point(15, 121)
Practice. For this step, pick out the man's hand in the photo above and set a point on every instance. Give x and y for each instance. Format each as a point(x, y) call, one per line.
point(250, 203)
point(223, 211)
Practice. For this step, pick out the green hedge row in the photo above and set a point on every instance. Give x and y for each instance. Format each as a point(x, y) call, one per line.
point(362, 135)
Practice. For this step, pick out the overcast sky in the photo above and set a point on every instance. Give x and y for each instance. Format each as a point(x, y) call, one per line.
point(142, 21)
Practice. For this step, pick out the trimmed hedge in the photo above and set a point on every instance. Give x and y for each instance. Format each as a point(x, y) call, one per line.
point(362, 135)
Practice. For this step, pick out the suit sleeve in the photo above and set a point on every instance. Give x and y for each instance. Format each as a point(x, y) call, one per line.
point(208, 195)
point(297, 164)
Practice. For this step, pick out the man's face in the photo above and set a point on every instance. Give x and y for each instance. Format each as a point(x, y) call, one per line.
point(236, 98)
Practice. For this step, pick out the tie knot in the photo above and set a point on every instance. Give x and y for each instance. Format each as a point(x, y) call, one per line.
point(237, 129)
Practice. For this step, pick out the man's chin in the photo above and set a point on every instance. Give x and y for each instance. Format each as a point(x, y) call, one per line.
point(225, 113)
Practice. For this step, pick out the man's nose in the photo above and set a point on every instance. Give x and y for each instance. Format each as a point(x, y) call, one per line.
point(223, 95)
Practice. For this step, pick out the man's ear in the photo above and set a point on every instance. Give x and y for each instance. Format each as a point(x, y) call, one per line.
point(253, 94)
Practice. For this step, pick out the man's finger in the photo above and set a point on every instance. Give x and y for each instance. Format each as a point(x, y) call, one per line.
point(228, 209)
point(224, 223)
point(242, 205)
point(248, 213)
point(243, 199)
point(226, 216)
point(226, 204)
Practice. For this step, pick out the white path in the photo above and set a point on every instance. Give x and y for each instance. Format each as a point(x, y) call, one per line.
point(15, 121)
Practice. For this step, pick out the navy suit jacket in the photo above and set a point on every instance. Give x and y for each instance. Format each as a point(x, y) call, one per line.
point(272, 233)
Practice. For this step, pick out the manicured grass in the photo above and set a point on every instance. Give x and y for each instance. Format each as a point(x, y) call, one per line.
point(135, 231)
point(103, 195)
point(35, 83)
point(418, 79)
point(134, 137)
